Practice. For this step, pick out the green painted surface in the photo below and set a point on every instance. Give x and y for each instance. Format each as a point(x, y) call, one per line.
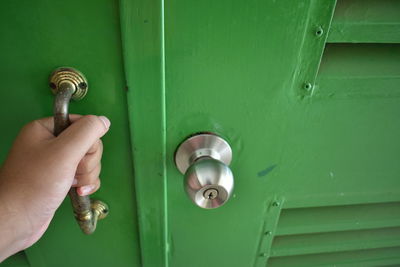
point(366, 21)
point(18, 260)
point(338, 218)
point(335, 241)
point(230, 70)
point(359, 70)
point(142, 34)
point(316, 20)
point(365, 258)
point(36, 37)
point(316, 171)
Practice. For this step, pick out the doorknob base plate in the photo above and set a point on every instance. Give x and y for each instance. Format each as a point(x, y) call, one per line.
point(200, 146)
point(71, 75)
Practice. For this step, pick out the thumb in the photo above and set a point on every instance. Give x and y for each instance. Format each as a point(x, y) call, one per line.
point(77, 139)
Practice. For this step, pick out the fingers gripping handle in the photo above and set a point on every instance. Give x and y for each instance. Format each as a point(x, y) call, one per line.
point(67, 84)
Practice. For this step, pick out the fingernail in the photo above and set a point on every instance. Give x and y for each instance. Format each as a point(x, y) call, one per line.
point(106, 121)
point(86, 189)
point(75, 182)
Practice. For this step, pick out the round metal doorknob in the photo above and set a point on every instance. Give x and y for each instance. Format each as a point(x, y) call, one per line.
point(204, 161)
point(209, 183)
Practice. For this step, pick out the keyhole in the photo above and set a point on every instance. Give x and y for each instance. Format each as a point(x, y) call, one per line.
point(210, 193)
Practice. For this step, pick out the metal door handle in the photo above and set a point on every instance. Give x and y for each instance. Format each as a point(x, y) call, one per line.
point(204, 160)
point(67, 84)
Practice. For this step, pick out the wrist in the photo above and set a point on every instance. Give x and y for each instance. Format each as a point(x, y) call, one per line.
point(13, 235)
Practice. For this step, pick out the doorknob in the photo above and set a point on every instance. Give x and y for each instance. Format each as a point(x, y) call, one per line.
point(67, 84)
point(204, 160)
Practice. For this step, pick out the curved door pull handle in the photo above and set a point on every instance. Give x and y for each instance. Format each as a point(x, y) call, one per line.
point(67, 83)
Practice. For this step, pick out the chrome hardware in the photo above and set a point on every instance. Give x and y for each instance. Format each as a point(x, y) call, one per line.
point(67, 84)
point(204, 160)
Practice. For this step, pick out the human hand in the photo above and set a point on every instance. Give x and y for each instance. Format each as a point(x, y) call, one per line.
point(38, 173)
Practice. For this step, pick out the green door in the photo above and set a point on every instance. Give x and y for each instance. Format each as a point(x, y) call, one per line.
point(306, 92)
point(37, 37)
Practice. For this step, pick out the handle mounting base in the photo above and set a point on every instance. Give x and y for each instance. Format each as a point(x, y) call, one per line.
point(99, 208)
point(71, 75)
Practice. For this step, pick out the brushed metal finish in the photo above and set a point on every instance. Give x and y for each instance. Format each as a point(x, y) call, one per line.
point(209, 183)
point(202, 145)
point(204, 160)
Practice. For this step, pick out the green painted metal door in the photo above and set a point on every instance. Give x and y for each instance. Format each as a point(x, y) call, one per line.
point(36, 37)
point(305, 91)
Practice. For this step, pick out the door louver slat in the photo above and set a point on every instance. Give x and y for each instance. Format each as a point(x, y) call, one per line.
point(365, 258)
point(337, 234)
point(338, 218)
